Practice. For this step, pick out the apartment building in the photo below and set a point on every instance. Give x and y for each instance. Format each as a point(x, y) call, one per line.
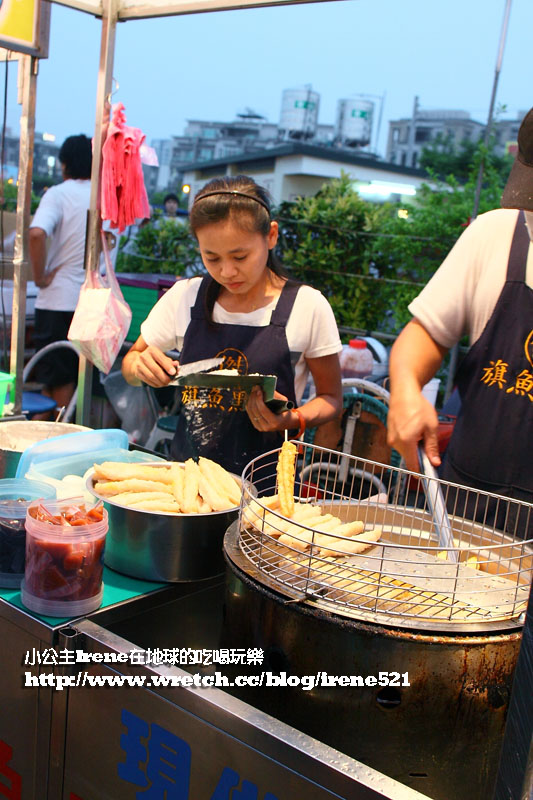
point(408, 136)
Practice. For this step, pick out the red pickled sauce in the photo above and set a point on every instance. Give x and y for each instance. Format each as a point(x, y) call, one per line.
point(69, 570)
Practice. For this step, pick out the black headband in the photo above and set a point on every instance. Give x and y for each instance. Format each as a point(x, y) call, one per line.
point(233, 191)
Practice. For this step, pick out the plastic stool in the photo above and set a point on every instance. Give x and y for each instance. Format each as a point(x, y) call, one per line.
point(34, 403)
point(164, 429)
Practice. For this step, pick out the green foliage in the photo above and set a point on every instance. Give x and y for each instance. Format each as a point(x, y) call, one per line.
point(444, 159)
point(164, 246)
point(366, 259)
point(8, 199)
point(410, 250)
point(324, 242)
point(9, 196)
point(157, 198)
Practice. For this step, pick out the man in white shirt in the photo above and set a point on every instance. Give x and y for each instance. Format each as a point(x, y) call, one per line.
point(483, 289)
point(60, 218)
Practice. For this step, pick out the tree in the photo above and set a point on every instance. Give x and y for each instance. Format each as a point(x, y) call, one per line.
point(411, 248)
point(166, 247)
point(8, 197)
point(324, 242)
point(365, 258)
point(444, 159)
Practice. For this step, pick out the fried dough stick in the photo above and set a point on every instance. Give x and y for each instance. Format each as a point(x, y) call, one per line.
point(212, 494)
point(190, 491)
point(286, 468)
point(109, 488)
point(120, 471)
point(221, 479)
point(177, 473)
point(133, 498)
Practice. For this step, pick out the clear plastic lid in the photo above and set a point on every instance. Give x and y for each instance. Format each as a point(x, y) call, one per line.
point(71, 519)
point(71, 444)
point(16, 494)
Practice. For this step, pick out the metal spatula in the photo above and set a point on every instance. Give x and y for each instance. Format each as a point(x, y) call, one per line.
point(194, 368)
point(437, 506)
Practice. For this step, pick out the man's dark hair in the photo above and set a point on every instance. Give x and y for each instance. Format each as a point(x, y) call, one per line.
point(76, 156)
point(171, 197)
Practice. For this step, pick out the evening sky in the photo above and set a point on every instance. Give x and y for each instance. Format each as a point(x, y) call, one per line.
point(213, 65)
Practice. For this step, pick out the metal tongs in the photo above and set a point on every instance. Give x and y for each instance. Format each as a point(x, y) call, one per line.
point(435, 500)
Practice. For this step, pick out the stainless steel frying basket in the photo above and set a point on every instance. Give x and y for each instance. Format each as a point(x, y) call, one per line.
point(407, 577)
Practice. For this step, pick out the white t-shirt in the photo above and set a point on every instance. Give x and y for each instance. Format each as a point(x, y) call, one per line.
point(461, 296)
point(62, 214)
point(311, 329)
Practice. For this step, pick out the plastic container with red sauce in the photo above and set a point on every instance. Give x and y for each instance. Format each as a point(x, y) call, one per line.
point(356, 360)
point(64, 557)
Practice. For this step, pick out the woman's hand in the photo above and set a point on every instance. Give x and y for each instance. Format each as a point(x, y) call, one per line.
point(262, 418)
point(148, 364)
point(155, 368)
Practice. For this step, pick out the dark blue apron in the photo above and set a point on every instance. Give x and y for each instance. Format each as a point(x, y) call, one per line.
point(213, 422)
point(492, 441)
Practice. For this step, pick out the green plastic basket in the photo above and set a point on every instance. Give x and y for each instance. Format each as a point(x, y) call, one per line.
point(7, 382)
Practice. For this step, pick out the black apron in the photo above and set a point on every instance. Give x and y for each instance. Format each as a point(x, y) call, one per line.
point(213, 422)
point(491, 445)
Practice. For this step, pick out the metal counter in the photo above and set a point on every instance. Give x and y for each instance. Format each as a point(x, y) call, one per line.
point(195, 743)
point(179, 743)
point(32, 718)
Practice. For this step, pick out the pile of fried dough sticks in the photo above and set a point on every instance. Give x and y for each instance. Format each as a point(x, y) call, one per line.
point(189, 488)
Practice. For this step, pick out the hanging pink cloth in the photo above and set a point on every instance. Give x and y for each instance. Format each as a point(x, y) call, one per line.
point(123, 193)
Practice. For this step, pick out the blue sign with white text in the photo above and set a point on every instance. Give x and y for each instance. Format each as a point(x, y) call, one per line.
point(158, 763)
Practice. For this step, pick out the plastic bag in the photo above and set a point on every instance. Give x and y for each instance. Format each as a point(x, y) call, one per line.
point(102, 317)
point(132, 405)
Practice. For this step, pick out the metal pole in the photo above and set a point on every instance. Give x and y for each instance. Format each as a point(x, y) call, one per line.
point(92, 249)
point(488, 129)
point(27, 84)
point(412, 131)
point(454, 353)
point(380, 117)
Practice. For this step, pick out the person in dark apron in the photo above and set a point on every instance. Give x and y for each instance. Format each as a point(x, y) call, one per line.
point(491, 443)
point(214, 424)
point(236, 235)
point(496, 376)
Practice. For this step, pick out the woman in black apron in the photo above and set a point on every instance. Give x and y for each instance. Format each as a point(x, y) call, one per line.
point(236, 236)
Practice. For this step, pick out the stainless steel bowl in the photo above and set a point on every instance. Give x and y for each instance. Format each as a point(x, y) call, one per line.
point(17, 435)
point(164, 546)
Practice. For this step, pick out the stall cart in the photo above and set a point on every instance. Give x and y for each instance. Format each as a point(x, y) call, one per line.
point(83, 742)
